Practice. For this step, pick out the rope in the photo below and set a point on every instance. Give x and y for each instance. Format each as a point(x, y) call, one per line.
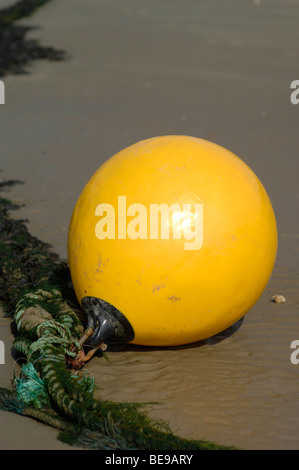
point(31, 388)
point(30, 315)
point(48, 337)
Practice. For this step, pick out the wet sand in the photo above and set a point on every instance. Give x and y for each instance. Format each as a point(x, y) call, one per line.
point(220, 70)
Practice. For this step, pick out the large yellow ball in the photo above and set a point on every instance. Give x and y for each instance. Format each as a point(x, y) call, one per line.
point(177, 234)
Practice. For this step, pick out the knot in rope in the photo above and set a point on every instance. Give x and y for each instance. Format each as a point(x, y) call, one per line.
point(51, 332)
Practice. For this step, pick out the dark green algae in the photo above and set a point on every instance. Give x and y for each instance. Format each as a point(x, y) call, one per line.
point(17, 51)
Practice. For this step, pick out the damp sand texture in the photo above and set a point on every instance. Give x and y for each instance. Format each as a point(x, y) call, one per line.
point(220, 73)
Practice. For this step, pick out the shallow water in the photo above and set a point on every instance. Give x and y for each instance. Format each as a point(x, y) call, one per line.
point(220, 70)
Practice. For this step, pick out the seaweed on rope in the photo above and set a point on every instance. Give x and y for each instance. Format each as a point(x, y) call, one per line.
point(37, 294)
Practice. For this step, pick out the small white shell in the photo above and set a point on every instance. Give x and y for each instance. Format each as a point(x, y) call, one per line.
point(279, 299)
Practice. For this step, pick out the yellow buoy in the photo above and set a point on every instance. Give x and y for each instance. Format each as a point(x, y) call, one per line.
point(172, 240)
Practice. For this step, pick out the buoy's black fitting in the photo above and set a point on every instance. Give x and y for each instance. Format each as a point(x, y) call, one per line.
point(108, 323)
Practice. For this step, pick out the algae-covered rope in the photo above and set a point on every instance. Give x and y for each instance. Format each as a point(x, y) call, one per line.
point(48, 331)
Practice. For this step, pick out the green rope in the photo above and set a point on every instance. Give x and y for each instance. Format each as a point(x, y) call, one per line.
point(31, 317)
point(46, 333)
point(31, 389)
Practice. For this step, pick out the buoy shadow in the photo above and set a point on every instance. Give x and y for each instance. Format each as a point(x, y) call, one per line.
point(219, 337)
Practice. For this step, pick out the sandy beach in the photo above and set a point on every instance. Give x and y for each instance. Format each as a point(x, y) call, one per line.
point(220, 70)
